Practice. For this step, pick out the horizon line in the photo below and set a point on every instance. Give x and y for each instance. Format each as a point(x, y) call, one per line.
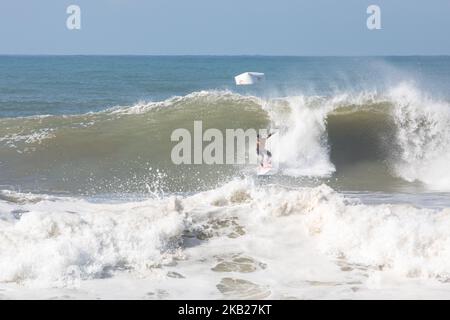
point(217, 55)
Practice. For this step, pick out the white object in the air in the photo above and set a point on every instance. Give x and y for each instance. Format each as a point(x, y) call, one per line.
point(248, 78)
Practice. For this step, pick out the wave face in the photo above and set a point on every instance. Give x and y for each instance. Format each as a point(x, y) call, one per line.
point(399, 136)
point(237, 241)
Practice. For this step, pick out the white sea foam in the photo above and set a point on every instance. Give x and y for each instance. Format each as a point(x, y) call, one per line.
point(292, 242)
point(32, 138)
point(302, 148)
point(57, 242)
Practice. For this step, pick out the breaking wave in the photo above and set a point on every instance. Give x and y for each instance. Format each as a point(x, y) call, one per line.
point(401, 133)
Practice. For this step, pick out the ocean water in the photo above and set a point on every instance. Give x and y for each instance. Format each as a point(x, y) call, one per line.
point(91, 205)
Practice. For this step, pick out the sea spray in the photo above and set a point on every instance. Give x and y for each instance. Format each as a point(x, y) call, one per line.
point(423, 135)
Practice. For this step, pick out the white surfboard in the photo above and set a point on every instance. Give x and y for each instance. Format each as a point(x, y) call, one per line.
point(264, 171)
point(265, 168)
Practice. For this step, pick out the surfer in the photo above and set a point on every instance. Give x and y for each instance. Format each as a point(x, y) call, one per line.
point(261, 150)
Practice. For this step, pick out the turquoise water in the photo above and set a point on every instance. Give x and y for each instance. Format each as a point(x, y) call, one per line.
point(37, 85)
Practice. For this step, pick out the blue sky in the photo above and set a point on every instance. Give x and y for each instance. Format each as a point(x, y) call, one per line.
point(229, 27)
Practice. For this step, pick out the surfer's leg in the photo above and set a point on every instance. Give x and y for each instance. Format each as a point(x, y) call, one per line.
point(261, 159)
point(268, 157)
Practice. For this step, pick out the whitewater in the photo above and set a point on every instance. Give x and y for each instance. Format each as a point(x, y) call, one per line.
point(239, 241)
point(91, 207)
